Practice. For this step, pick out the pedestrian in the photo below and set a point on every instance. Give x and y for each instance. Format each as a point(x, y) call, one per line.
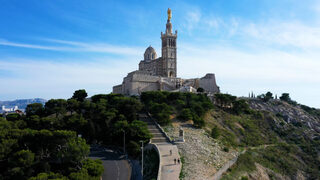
point(178, 161)
point(170, 152)
point(175, 160)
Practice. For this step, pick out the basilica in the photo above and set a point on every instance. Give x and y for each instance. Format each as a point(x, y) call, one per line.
point(160, 73)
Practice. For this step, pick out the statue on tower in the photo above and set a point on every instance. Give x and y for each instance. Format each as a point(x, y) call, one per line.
point(169, 14)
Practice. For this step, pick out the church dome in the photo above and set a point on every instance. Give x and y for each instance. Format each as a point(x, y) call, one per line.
point(150, 54)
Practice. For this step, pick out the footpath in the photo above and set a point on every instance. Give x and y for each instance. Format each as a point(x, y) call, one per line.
point(168, 168)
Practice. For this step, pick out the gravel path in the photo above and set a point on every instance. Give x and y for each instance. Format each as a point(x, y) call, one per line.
point(203, 156)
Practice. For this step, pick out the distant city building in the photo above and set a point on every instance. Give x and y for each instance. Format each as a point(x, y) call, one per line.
point(4, 109)
point(161, 73)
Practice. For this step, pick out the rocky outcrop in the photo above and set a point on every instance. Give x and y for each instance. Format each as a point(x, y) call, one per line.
point(291, 114)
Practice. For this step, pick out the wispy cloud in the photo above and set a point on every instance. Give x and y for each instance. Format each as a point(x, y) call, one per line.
point(32, 46)
point(295, 34)
point(239, 72)
point(30, 78)
point(77, 46)
point(192, 19)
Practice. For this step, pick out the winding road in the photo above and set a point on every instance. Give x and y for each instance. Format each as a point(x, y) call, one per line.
point(116, 167)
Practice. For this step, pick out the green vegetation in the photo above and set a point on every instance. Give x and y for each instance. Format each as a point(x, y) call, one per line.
point(215, 132)
point(285, 97)
point(311, 111)
point(182, 173)
point(280, 147)
point(243, 130)
point(186, 106)
point(151, 164)
point(231, 104)
point(266, 97)
point(50, 141)
point(280, 158)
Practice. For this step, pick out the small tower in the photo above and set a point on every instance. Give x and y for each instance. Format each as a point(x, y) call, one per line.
point(169, 50)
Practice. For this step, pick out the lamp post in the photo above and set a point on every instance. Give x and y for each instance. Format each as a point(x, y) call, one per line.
point(142, 159)
point(124, 143)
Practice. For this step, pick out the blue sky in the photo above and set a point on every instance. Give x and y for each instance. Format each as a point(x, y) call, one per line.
point(49, 49)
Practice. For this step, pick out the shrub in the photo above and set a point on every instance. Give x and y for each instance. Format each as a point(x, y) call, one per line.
point(240, 106)
point(198, 121)
point(185, 114)
point(133, 149)
point(215, 132)
point(161, 112)
point(94, 167)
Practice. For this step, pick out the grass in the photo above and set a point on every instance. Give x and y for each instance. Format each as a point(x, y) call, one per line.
point(182, 173)
point(290, 150)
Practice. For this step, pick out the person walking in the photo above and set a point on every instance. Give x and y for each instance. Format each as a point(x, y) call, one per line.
point(170, 152)
point(175, 161)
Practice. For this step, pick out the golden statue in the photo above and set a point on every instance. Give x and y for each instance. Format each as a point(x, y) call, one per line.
point(169, 14)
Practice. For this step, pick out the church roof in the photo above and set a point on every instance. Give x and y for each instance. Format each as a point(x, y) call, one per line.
point(150, 54)
point(150, 49)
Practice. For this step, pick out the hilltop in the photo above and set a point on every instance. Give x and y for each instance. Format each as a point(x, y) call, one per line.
point(22, 103)
point(237, 138)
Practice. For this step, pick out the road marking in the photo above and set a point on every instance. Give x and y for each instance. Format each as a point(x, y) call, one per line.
point(118, 170)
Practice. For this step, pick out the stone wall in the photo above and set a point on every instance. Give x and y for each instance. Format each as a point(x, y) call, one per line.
point(208, 83)
point(117, 89)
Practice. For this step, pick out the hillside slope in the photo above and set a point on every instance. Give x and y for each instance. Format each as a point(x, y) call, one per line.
point(22, 103)
point(272, 140)
point(280, 141)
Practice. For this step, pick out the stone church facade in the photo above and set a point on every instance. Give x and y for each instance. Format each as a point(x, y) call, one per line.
point(160, 73)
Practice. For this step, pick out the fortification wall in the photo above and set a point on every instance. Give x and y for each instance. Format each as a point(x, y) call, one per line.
point(117, 89)
point(208, 83)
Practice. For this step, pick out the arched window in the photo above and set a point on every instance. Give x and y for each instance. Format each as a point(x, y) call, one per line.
point(152, 56)
point(171, 74)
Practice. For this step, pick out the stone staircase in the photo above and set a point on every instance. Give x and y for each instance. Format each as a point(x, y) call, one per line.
point(158, 136)
point(167, 168)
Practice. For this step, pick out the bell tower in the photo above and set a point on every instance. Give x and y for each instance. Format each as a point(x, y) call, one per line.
point(169, 50)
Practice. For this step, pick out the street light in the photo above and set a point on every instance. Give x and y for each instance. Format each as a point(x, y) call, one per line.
point(142, 159)
point(124, 143)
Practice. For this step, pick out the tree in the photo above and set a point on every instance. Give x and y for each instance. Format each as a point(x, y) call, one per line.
point(93, 167)
point(48, 176)
point(13, 117)
point(23, 158)
point(240, 106)
point(56, 106)
point(161, 112)
point(72, 105)
point(80, 95)
point(34, 109)
point(268, 96)
point(225, 100)
point(285, 97)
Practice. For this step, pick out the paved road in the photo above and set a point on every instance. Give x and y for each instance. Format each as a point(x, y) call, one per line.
point(115, 166)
